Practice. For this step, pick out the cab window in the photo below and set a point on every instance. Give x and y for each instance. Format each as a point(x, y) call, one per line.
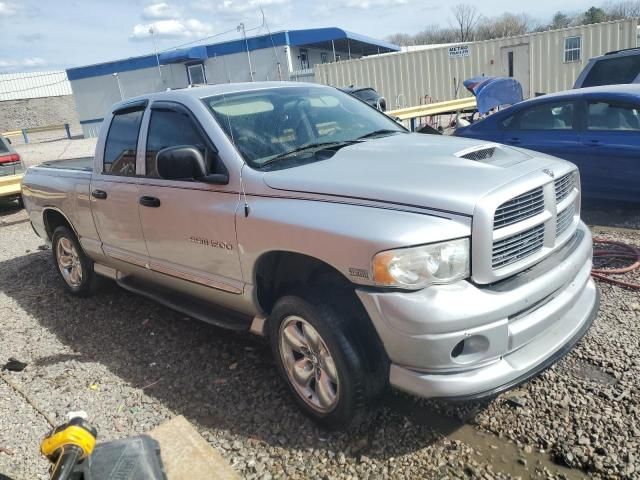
point(171, 128)
point(121, 143)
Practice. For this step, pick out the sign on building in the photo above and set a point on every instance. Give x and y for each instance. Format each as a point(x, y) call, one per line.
point(459, 51)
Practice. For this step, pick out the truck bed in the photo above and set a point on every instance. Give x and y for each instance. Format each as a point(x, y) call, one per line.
point(80, 163)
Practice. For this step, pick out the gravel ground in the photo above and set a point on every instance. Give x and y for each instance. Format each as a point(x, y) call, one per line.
point(132, 364)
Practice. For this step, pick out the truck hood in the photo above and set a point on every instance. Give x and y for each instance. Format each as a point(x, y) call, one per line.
point(418, 170)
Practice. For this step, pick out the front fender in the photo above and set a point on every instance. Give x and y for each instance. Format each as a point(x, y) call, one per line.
point(343, 235)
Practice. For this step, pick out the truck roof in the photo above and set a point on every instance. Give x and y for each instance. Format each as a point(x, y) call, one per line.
point(211, 90)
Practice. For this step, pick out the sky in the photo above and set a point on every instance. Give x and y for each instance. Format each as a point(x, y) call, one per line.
point(38, 35)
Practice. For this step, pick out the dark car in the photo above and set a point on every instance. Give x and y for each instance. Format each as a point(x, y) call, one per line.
point(367, 95)
point(620, 66)
point(596, 128)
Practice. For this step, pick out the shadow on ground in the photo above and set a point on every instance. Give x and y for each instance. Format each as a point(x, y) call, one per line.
point(217, 378)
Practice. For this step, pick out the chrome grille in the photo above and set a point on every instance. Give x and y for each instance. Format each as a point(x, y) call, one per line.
point(481, 154)
point(516, 247)
point(564, 185)
point(564, 219)
point(519, 208)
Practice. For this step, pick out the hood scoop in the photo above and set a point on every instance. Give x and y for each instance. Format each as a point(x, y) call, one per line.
point(492, 154)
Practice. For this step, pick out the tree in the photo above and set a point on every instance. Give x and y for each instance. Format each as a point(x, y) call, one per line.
point(594, 15)
point(621, 10)
point(401, 39)
point(465, 19)
point(434, 34)
point(560, 20)
point(506, 25)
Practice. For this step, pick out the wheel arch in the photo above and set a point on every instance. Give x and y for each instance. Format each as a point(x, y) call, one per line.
point(279, 271)
point(53, 218)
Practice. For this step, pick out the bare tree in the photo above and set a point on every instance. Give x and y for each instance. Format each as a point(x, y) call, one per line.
point(621, 10)
point(465, 19)
point(401, 39)
point(506, 25)
point(434, 34)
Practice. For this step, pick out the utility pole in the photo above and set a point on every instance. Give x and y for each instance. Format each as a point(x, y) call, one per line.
point(155, 49)
point(246, 42)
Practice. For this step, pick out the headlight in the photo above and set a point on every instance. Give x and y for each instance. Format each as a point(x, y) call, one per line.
point(417, 267)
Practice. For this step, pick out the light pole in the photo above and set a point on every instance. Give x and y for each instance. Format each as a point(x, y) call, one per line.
point(155, 49)
point(246, 42)
point(119, 86)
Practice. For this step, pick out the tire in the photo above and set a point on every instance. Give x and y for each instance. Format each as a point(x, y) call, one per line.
point(341, 388)
point(73, 265)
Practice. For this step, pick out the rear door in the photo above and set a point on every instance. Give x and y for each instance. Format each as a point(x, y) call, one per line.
point(114, 189)
point(189, 225)
point(547, 127)
point(610, 139)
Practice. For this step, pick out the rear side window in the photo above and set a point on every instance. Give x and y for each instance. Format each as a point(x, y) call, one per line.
point(607, 116)
point(549, 116)
point(121, 145)
point(612, 71)
point(3, 147)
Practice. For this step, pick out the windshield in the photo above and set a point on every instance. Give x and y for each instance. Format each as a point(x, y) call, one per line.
point(266, 125)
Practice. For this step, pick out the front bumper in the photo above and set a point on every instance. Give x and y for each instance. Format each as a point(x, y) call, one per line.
point(466, 341)
point(10, 185)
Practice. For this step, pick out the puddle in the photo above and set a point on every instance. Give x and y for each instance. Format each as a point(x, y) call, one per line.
point(503, 455)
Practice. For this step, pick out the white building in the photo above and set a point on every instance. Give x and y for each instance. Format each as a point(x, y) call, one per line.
point(543, 62)
point(286, 55)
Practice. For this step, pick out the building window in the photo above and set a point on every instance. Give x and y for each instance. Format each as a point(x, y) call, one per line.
point(572, 48)
point(324, 58)
point(196, 74)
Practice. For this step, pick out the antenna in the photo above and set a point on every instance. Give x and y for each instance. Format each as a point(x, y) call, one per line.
point(246, 42)
point(275, 51)
point(155, 49)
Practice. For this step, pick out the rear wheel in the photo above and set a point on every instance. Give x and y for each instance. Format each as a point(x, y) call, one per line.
point(321, 361)
point(75, 268)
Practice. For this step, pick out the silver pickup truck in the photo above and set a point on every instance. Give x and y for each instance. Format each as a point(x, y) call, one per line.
point(445, 267)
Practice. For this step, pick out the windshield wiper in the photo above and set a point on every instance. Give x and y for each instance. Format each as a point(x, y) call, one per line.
point(308, 146)
point(376, 133)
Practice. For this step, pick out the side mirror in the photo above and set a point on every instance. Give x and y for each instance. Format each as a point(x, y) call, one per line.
point(182, 162)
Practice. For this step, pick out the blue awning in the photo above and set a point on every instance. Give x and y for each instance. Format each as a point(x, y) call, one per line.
point(184, 55)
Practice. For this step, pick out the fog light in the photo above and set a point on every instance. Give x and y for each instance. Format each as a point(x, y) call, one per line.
point(471, 349)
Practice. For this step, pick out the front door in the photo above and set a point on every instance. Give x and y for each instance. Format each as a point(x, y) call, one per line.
point(546, 127)
point(189, 226)
point(114, 190)
point(515, 64)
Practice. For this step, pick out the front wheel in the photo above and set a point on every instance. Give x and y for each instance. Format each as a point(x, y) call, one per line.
point(320, 360)
point(75, 268)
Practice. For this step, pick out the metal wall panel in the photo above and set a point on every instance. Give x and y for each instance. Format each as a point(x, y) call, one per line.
point(17, 86)
point(419, 76)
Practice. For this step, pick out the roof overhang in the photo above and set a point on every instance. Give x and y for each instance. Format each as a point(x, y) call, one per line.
point(184, 55)
point(341, 40)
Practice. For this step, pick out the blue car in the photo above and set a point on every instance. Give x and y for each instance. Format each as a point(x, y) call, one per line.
point(596, 128)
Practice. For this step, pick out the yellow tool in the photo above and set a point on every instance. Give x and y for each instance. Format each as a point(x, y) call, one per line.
point(67, 445)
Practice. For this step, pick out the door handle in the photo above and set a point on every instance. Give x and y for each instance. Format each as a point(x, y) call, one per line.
point(99, 194)
point(513, 140)
point(152, 202)
point(593, 143)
